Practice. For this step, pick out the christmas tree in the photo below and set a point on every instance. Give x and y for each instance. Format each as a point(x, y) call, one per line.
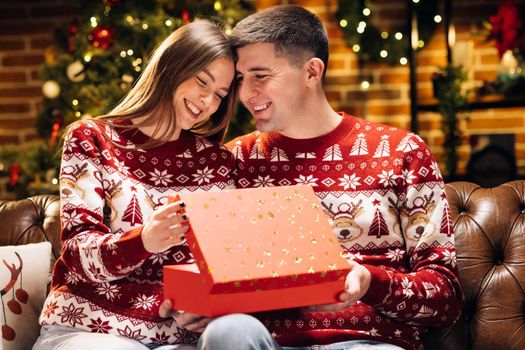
point(93, 63)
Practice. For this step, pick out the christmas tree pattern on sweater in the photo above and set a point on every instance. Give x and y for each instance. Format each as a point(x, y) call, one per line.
point(384, 196)
point(105, 281)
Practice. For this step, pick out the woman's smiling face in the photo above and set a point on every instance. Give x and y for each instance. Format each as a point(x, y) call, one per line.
point(198, 97)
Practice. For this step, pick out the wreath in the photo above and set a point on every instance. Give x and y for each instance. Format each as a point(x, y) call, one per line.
point(375, 45)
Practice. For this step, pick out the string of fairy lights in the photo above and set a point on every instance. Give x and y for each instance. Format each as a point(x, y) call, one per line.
point(372, 44)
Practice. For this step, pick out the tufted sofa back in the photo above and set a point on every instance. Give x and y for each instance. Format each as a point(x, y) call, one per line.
point(31, 220)
point(490, 243)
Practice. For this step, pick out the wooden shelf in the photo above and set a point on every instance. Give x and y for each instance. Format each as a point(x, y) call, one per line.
point(482, 102)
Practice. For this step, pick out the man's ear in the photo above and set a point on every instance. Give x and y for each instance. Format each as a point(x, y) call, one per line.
point(314, 71)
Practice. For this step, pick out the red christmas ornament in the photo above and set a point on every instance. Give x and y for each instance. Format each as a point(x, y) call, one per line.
point(101, 36)
point(73, 27)
point(73, 30)
point(56, 128)
point(111, 3)
point(14, 174)
point(186, 16)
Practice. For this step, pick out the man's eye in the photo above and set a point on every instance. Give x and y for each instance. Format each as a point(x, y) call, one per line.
point(261, 76)
point(239, 78)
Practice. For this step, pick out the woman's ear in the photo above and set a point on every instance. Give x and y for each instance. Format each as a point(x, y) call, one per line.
point(314, 71)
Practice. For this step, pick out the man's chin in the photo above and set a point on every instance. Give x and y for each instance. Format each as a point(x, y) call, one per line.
point(263, 125)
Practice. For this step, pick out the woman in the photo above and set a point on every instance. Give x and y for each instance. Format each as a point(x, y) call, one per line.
point(117, 172)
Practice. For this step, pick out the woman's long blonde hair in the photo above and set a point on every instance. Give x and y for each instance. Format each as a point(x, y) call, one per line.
point(183, 54)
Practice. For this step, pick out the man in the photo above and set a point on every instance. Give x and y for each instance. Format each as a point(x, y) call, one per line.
point(379, 185)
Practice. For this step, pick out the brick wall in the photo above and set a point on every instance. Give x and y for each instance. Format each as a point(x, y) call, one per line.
point(388, 98)
point(26, 29)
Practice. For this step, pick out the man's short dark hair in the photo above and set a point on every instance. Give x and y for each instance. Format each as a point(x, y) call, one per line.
point(296, 33)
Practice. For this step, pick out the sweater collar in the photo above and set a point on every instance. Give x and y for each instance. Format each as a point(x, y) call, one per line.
point(344, 128)
point(137, 137)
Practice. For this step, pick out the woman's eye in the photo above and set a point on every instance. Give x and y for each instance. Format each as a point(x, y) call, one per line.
point(201, 82)
point(219, 97)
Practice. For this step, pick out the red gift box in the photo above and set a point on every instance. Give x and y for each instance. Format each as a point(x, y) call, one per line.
point(256, 249)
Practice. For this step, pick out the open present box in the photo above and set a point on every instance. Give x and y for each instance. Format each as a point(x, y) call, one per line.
point(256, 249)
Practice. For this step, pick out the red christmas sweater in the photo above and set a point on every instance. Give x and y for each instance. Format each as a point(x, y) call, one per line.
point(105, 281)
point(385, 198)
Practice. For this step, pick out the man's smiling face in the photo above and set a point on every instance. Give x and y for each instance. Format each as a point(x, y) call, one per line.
point(270, 87)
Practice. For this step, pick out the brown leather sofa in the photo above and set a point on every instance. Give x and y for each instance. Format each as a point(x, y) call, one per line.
point(490, 242)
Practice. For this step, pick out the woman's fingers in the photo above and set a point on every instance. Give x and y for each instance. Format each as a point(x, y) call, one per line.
point(168, 210)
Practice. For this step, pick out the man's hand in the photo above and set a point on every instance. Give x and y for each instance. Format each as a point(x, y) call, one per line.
point(356, 285)
point(192, 322)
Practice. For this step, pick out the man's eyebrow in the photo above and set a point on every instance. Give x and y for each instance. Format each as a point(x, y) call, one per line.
point(254, 69)
point(258, 69)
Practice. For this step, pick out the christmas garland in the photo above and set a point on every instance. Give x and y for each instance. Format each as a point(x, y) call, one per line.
point(375, 45)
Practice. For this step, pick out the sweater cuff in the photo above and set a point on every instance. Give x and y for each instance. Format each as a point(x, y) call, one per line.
point(131, 244)
point(379, 286)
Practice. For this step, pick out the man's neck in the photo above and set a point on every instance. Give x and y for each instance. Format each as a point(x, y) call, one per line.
point(316, 119)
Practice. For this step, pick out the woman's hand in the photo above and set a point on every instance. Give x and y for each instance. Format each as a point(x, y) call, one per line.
point(165, 228)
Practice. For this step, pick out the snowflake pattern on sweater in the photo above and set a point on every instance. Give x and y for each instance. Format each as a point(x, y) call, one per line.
point(384, 196)
point(105, 281)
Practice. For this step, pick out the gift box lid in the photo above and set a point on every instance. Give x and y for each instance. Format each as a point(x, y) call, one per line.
point(262, 238)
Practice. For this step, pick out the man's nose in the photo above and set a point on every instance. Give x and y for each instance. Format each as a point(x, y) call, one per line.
point(246, 91)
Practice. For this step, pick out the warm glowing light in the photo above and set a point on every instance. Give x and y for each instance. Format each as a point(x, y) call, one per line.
point(356, 48)
point(343, 23)
point(403, 60)
point(437, 19)
point(365, 84)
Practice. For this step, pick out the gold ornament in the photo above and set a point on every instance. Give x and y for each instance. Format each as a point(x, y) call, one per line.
point(51, 55)
point(51, 89)
point(75, 71)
